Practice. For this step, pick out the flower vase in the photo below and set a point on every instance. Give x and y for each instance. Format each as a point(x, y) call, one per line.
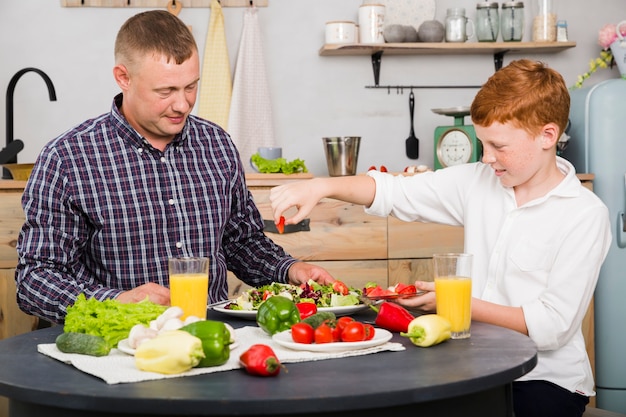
point(618, 49)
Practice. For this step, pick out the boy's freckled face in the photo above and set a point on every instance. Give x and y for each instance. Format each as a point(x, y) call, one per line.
point(512, 152)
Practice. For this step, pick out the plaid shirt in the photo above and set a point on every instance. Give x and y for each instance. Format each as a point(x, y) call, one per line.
point(105, 210)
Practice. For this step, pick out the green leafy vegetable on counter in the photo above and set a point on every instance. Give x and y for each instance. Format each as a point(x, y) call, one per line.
point(278, 166)
point(109, 319)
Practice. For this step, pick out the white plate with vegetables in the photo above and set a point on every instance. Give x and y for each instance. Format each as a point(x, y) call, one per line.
point(251, 314)
point(381, 336)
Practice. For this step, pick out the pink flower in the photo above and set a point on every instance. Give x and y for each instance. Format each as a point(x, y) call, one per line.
point(608, 35)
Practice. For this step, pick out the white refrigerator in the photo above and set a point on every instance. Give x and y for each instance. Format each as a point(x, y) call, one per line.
point(597, 145)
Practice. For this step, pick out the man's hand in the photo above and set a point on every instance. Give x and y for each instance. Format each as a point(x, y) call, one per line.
point(155, 293)
point(301, 272)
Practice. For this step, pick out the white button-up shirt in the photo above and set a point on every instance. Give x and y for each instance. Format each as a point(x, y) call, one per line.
point(544, 256)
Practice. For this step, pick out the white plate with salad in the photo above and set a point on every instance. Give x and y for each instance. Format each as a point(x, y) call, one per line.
point(336, 298)
point(251, 314)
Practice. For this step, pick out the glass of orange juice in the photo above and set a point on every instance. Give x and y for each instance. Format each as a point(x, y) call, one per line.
point(453, 290)
point(189, 285)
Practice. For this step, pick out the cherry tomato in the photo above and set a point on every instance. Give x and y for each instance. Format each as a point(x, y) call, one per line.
point(338, 327)
point(302, 333)
point(353, 332)
point(342, 321)
point(323, 334)
point(369, 331)
point(335, 331)
point(383, 168)
point(340, 288)
point(373, 167)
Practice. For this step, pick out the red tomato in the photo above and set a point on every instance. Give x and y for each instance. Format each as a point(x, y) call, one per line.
point(306, 309)
point(323, 334)
point(353, 332)
point(340, 288)
point(302, 333)
point(375, 291)
point(383, 168)
point(342, 321)
point(408, 289)
point(280, 226)
point(335, 331)
point(369, 331)
point(373, 167)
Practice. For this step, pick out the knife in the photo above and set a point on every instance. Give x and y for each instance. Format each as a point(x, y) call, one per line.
point(303, 226)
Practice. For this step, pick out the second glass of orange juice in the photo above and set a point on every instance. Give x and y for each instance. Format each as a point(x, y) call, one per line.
point(453, 291)
point(189, 285)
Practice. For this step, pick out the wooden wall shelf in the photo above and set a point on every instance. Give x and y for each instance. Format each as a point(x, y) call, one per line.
point(159, 3)
point(497, 49)
point(443, 48)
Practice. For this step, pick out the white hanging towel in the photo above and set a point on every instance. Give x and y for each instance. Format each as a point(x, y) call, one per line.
point(215, 81)
point(250, 124)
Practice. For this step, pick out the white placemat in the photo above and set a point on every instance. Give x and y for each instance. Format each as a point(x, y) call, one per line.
point(119, 367)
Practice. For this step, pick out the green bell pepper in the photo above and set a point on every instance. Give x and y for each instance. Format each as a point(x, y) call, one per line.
point(277, 314)
point(215, 338)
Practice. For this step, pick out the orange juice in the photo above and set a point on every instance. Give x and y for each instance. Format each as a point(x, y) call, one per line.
point(189, 291)
point(454, 298)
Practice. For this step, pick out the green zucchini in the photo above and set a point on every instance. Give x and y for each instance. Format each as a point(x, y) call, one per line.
point(320, 317)
point(85, 344)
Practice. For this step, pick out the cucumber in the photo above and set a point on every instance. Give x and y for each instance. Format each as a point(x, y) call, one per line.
point(320, 317)
point(85, 344)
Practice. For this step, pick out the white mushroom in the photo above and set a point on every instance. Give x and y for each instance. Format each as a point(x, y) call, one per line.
point(139, 333)
point(171, 313)
point(191, 319)
point(172, 324)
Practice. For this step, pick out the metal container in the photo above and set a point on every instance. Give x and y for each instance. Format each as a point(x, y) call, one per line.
point(342, 154)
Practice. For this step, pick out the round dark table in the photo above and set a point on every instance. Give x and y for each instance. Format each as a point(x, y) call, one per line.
point(470, 377)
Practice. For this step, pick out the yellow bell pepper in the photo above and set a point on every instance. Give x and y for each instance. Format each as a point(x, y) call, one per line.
point(428, 330)
point(170, 352)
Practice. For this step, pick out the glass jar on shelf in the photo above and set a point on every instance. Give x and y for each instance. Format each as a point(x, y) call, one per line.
point(544, 21)
point(512, 21)
point(487, 21)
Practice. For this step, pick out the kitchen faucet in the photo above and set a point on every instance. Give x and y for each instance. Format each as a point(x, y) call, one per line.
point(15, 148)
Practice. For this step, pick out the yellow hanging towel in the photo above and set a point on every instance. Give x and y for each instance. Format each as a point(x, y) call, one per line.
point(215, 82)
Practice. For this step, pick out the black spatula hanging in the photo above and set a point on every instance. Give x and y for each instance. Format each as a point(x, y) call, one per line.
point(412, 143)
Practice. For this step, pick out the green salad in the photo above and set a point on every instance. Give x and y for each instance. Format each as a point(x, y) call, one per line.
point(332, 295)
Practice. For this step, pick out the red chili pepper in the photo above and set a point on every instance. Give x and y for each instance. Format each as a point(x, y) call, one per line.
point(393, 317)
point(306, 309)
point(280, 226)
point(260, 360)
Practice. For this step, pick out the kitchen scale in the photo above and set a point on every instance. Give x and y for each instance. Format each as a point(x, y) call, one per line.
point(456, 144)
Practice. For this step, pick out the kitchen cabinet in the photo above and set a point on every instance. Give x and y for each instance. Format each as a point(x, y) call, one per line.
point(12, 320)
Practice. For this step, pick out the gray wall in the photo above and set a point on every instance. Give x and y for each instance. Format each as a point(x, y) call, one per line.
point(312, 96)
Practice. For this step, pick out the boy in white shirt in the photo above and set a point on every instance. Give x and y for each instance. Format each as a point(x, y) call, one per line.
point(537, 235)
